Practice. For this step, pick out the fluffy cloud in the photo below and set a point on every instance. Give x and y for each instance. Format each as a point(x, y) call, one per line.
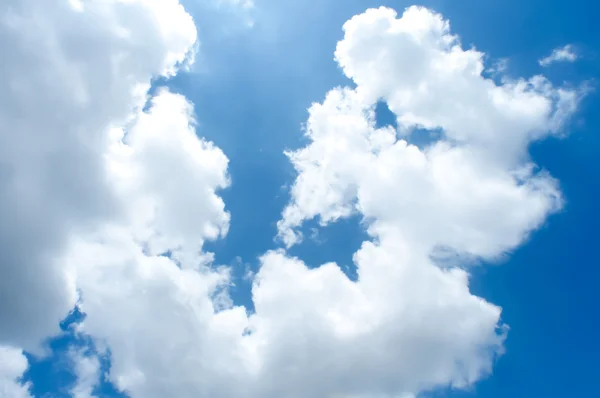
point(469, 192)
point(147, 287)
point(12, 365)
point(407, 325)
point(561, 54)
point(87, 371)
point(109, 202)
point(473, 189)
point(71, 72)
point(81, 162)
point(403, 328)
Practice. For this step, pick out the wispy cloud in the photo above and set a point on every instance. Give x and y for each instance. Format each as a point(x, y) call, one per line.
point(561, 54)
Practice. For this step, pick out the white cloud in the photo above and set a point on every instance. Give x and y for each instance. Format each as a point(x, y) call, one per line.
point(168, 177)
point(562, 54)
point(12, 366)
point(473, 192)
point(87, 371)
point(82, 165)
point(116, 202)
point(69, 74)
point(499, 66)
point(406, 326)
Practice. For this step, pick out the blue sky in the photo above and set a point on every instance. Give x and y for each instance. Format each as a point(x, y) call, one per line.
point(251, 88)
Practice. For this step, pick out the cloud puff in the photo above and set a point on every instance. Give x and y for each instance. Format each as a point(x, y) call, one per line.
point(146, 275)
point(473, 192)
point(406, 325)
point(562, 54)
point(12, 365)
point(110, 200)
point(87, 372)
point(474, 189)
point(71, 72)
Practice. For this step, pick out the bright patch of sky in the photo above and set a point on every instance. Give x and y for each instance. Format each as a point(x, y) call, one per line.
point(298, 199)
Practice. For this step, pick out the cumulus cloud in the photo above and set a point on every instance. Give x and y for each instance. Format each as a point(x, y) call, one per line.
point(562, 54)
point(87, 372)
point(473, 192)
point(146, 275)
point(71, 72)
point(110, 196)
point(12, 365)
point(475, 189)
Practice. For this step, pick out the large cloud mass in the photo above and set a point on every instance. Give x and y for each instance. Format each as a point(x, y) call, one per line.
point(107, 198)
point(470, 192)
point(70, 72)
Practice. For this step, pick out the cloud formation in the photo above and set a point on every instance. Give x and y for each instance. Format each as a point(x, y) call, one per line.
point(71, 71)
point(474, 189)
point(87, 372)
point(110, 195)
point(562, 54)
point(12, 366)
